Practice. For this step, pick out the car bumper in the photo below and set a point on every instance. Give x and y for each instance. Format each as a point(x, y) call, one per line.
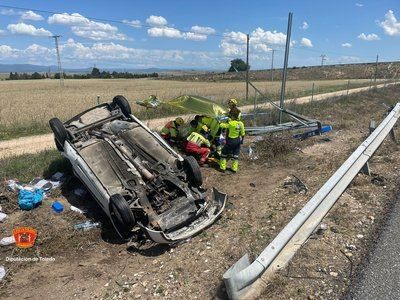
point(205, 219)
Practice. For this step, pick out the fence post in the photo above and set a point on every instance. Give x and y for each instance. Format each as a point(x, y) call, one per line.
point(98, 99)
point(255, 108)
point(284, 71)
point(348, 86)
point(312, 92)
point(247, 68)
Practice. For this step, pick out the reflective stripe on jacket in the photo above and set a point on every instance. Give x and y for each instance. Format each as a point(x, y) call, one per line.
point(235, 128)
point(198, 139)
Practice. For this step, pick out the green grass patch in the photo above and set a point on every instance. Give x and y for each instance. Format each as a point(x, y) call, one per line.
point(13, 132)
point(28, 166)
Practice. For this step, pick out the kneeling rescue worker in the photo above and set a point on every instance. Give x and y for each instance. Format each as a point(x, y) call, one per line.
point(196, 142)
point(170, 131)
point(234, 138)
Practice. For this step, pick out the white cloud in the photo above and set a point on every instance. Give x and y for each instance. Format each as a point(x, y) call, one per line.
point(359, 4)
point(25, 29)
point(68, 19)
point(347, 45)
point(390, 25)
point(133, 23)
point(30, 15)
point(174, 33)
point(304, 26)
point(306, 42)
point(203, 30)
point(6, 51)
point(8, 12)
point(368, 37)
point(85, 28)
point(2, 32)
point(168, 32)
point(156, 21)
point(194, 36)
point(234, 43)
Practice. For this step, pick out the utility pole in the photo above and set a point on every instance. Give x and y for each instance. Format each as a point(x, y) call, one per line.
point(289, 31)
point(272, 64)
point(323, 58)
point(376, 68)
point(60, 71)
point(247, 67)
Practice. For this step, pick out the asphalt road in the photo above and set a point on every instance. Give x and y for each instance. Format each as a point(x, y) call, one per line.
point(380, 278)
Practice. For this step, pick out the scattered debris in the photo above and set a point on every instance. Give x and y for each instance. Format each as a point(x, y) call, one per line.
point(321, 229)
point(296, 184)
point(29, 199)
point(45, 185)
point(3, 216)
point(87, 225)
point(13, 185)
point(7, 241)
point(2, 273)
point(360, 236)
point(76, 209)
point(378, 180)
point(57, 207)
point(334, 274)
point(351, 247)
point(252, 184)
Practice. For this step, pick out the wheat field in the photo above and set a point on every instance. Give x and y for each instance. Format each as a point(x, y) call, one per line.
point(26, 102)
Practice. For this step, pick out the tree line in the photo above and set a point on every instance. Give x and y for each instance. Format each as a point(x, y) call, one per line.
point(95, 73)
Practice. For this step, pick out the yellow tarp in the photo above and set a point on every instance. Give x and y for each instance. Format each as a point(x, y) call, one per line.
point(198, 105)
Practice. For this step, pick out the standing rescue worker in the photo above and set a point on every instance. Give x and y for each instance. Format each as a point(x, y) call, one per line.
point(196, 142)
point(170, 131)
point(232, 104)
point(234, 138)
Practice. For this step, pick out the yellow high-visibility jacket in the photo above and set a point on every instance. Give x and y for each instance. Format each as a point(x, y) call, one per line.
point(198, 139)
point(235, 128)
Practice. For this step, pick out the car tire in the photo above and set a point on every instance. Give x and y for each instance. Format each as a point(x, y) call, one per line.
point(121, 215)
point(60, 133)
point(123, 104)
point(192, 170)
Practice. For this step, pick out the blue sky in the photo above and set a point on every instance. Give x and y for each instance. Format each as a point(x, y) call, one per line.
point(197, 34)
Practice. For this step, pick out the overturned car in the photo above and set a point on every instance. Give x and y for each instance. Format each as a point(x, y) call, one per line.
point(140, 182)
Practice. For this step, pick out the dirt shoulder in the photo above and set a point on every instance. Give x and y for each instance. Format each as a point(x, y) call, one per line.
point(95, 265)
point(37, 143)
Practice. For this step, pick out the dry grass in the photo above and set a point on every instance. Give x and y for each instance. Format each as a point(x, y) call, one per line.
point(26, 106)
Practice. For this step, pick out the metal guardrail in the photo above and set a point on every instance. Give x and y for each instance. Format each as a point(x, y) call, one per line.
point(245, 280)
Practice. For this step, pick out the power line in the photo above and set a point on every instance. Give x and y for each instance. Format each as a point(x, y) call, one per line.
point(60, 71)
point(323, 58)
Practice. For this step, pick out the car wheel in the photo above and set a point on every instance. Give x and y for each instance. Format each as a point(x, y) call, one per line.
point(121, 215)
point(193, 172)
point(123, 104)
point(60, 133)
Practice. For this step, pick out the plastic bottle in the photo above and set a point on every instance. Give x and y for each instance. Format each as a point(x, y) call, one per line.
point(86, 225)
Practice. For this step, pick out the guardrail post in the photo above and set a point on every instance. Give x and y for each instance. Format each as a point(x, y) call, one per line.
point(365, 169)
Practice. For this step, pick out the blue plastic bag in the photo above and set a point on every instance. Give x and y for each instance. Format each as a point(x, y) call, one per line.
point(28, 200)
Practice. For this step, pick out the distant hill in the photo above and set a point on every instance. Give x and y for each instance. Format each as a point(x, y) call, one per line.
point(387, 70)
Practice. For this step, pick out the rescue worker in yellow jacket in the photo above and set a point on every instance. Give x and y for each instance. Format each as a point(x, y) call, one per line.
point(232, 104)
point(215, 131)
point(170, 131)
point(234, 138)
point(197, 143)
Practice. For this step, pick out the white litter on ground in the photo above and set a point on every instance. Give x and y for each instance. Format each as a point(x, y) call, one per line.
point(3, 216)
point(2, 273)
point(7, 241)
